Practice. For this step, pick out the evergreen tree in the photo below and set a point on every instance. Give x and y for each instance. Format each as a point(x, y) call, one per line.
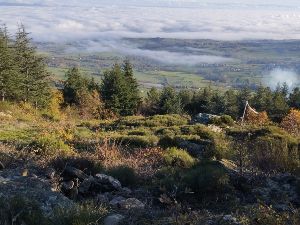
point(34, 85)
point(218, 104)
point(170, 103)
point(74, 85)
point(131, 98)
point(112, 89)
point(231, 104)
point(294, 98)
point(263, 99)
point(119, 90)
point(152, 101)
point(9, 76)
point(279, 107)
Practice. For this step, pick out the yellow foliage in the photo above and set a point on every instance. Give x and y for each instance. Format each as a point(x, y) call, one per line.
point(291, 123)
point(55, 103)
point(257, 119)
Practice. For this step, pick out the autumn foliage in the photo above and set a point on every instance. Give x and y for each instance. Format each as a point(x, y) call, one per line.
point(260, 118)
point(291, 123)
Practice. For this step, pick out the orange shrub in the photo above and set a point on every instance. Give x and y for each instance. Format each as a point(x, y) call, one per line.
point(257, 119)
point(291, 123)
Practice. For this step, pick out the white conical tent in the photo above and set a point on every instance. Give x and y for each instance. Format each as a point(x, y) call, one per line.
point(248, 107)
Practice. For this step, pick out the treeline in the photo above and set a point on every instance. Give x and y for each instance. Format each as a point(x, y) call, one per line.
point(24, 78)
point(276, 103)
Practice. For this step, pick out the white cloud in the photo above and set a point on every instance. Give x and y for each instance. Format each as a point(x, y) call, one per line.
point(111, 20)
point(280, 76)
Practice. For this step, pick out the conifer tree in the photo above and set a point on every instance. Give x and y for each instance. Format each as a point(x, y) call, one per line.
point(74, 85)
point(131, 98)
point(9, 82)
point(34, 85)
point(294, 98)
point(170, 103)
point(119, 90)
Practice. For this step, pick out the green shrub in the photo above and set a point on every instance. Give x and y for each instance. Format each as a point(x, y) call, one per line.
point(207, 178)
point(166, 120)
point(169, 131)
point(79, 215)
point(49, 145)
point(167, 141)
point(138, 141)
point(224, 120)
point(261, 214)
point(124, 174)
point(19, 210)
point(178, 158)
point(268, 148)
point(139, 132)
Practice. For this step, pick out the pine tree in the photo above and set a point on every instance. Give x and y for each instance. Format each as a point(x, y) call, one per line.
point(218, 104)
point(9, 76)
point(152, 102)
point(231, 104)
point(112, 89)
point(74, 85)
point(170, 103)
point(34, 85)
point(294, 98)
point(119, 90)
point(131, 98)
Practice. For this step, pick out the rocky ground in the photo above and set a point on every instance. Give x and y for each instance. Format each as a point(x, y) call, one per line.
point(52, 188)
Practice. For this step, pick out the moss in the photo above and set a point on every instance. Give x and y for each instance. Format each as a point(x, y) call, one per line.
point(124, 174)
point(178, 157)
point(224, 120)
point(49, 145)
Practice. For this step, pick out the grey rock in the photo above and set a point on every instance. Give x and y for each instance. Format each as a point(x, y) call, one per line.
point(85, 186)
point(132, 203)
point(50, 173)
point(68, 185)
point(2, 167)
point(102, 199)
point(116, 201)
point(203, 118)
point(71, 172)
point(114, 219)
point(230, 220)
point(108, 180)
point(34, 189)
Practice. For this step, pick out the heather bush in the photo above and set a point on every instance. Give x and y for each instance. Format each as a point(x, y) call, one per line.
point(124, 174)
point(178, 158)
point(49, 145)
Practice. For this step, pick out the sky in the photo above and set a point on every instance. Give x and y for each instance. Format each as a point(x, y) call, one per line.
point(56, 20)
point(101, 24)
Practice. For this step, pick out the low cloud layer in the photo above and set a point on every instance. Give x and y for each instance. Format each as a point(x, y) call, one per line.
point(280, 76)
point(101, 21)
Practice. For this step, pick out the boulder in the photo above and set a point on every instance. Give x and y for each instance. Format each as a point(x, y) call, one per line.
point(114, 219)
point(34, 189)
point(102, 199)
point(132, 203)
point(71, 173)
point(116, 201)
point(229, 220)
point(85, 186)
point(67, 185)
point(109, 182)
point(203, 118)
